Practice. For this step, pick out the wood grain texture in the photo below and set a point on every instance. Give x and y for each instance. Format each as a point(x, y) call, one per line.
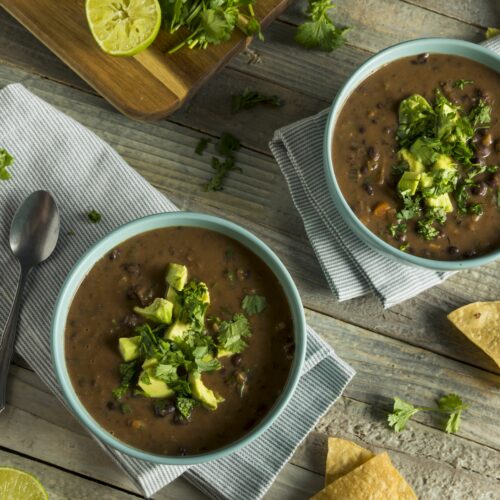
point(150, 85)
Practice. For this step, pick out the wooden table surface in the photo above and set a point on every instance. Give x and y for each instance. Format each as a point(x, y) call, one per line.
point(410, 350)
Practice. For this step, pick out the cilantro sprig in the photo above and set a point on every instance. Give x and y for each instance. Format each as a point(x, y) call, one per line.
point(250, 98)
point(232, 334)
point(320, 31)
point(226, 147)
point(450, 405)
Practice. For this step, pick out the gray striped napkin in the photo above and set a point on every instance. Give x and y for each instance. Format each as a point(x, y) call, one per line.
point(55, 153)
point(351, 267)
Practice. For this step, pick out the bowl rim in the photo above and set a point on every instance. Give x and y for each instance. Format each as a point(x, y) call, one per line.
point(142, 225)
point(432, 45)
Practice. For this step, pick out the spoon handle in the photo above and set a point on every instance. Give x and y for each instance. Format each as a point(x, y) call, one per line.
point(7, 340)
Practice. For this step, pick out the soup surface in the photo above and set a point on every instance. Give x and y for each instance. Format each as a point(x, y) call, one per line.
point(368, 161)
point(132, 275)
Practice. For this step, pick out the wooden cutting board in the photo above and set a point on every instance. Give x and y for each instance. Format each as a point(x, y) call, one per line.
point(148, 86)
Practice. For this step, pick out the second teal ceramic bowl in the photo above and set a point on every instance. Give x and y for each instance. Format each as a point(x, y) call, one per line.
point(100, 249)
point(405, 49)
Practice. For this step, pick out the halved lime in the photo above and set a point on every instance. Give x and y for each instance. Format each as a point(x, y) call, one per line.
point(123, 27)
point(18, 485)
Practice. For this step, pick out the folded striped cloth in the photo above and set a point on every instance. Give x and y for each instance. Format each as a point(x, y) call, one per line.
point(55, 153)
point(351, 267)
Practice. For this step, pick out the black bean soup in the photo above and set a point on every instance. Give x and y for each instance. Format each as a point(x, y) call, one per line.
point(179, 341)
point(416, 151)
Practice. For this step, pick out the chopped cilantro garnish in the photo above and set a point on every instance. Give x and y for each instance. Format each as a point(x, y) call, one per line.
point(320, 32)
point(201, 146)
point(127, 374)
point(251, 98)
point(6, 160)
point(185, 406)
point(396, 230)
point(253, 304)
point(232, 334)
point(226, 147)
point(475, 209)
point(460, 84)
point(94, 216)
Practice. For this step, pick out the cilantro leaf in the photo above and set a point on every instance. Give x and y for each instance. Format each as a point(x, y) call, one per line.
point(460, 84)
point(452, 404)
point(185, 406)
point(6, 160)
point(401, 413)
point(480, 115)
point(253, 304)
point(127, 373)
point(94, 216)
point(251, 98)
point(320, 32)
point(232, 334)
point(227, 146)
point(201, 146)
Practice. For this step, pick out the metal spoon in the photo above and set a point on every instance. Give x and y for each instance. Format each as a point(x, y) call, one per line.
point(33, 237)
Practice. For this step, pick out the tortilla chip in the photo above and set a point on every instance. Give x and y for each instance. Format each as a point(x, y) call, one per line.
point(343, 457)
point(480, 323)
point(376, 479)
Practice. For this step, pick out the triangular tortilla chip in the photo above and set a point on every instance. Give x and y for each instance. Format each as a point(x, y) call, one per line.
point(376, 479)
point(480, 323)
point(343, 457)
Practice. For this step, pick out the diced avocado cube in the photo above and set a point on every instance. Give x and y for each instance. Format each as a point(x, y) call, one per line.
point(177, 330)
point(129, 348)
point(221, 353)
point(173, 296)
point(444, 162)
point(426, 180)
point(156, 388)
point(202, 393)
point(414, 164)
point(160, 311)
point(408, 183)
point(149, 363)
point(177, 276)
point(441, 201)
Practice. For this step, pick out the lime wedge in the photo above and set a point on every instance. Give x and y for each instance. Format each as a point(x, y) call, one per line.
point(18, 485)
point(123, 27)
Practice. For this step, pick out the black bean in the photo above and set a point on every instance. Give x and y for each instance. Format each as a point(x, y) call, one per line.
point(141, 293)
point(115, 254)
point(380, 105)
point(130, 320)
point(493, 180)
point(183, 451)
point(479, 189)
point(361, 130)
point(470, 253)
point(388, 130)
point(453, 250)
point(132, 268)
point(363, 170)
point(372, 153)
point(421, 58)
point(289, 349)
point(483, 151)
point(111, 405)
point(163, 410)
point(368, 188)
point(236, 359)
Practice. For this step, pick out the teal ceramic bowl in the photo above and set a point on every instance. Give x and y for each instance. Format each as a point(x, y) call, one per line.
point(100, 249)
point(405, 49)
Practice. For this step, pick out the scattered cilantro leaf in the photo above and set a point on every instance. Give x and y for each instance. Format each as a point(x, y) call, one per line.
point(251, 98)
point(480, 115)
point(253, 304)
point(94, 216)
point(232, 334)
point(450, 404)
point(397, 230)
point(319, 31)
point(185, 406)
point(6, 160)
point(127, 374)
point(460, 84)
point(226, 147)
point(201, 146)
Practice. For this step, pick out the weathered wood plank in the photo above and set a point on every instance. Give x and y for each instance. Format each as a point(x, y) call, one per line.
point(377, 24)
point(482, 13)
point(61, 485)
point(258, 198)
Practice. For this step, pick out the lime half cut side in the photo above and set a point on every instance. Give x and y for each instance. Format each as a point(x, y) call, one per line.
point(18, 485)
point(123, 27)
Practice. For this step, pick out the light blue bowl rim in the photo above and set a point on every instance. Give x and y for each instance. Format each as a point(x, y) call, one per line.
point(403, 49)
point(148, 223)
